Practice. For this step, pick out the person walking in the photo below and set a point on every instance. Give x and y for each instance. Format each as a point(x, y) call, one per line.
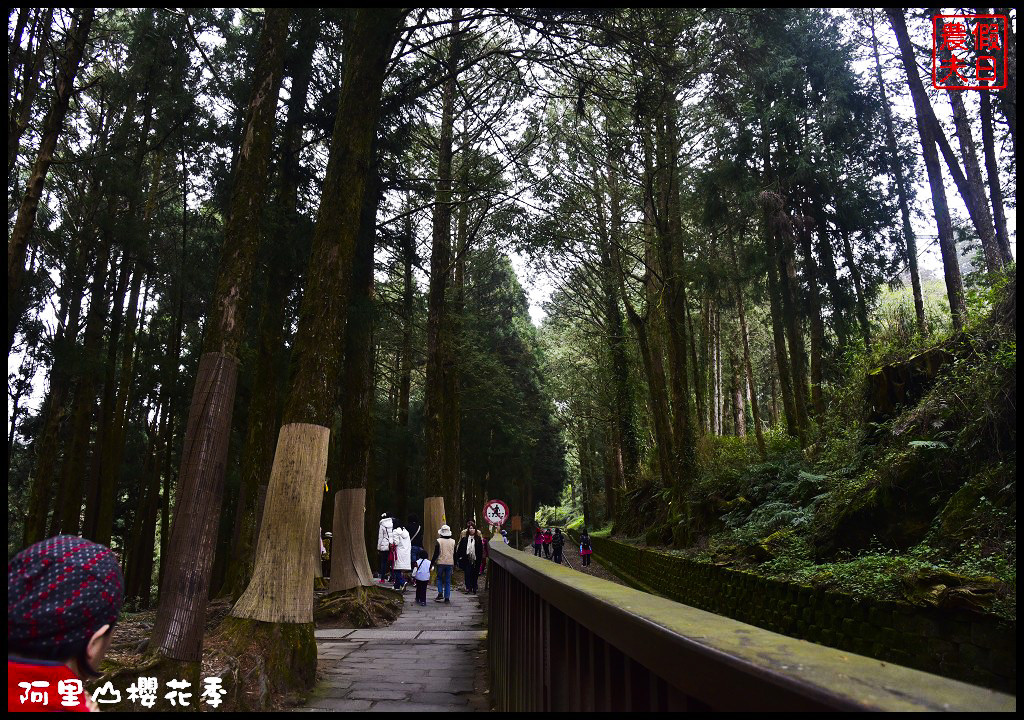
point(422, 577)
point(557, 543)
point(443, 559)
point(64, 597)
point(469, 556)
point(548, 537)
point(384, 541)
point(538, 540)
point(403, 555)
point(465, 530)
point(586, 548)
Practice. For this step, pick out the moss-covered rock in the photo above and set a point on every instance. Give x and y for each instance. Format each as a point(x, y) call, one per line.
point(950, 591)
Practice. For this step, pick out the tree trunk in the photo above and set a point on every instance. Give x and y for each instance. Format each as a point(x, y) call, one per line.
point(20, 107)
point(17, 245)
point(178, 629)
point(56, 406)
point(1008, 95)
point(862, 306)
point(138, 561)
point(405, 381)
point(903, 194)
point(278, 603)
point(973, 185)
point(439, 351)
point(740, 310)
point(994, 185)
point(698, 374)
point(947, 246)
point(349, 563)
point(813, 311)
point(355, 441)
point(671, 259)
point(264, 409)
point(781, 356)
point(791, 316)
point(739, 412)
point(836, 291)
point(66, 521)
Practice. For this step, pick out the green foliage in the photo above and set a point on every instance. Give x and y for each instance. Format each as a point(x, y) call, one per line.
point(903, 508)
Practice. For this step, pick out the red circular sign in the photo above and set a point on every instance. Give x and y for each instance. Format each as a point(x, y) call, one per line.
point(495, 512)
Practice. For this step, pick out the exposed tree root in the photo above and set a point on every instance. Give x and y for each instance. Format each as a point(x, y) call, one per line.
point(359, 607)
point(260, 663)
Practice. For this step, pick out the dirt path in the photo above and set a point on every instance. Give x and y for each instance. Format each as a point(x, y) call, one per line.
point(571, 552)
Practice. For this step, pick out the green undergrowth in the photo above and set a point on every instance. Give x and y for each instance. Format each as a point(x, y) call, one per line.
point(917, 504)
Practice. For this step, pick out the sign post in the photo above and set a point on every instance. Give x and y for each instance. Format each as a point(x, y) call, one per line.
point(495, 514)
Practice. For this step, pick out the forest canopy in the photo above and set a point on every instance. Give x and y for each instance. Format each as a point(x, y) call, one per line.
point(725, 280)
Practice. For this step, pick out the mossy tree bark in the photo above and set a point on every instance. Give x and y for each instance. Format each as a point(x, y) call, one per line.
point(405, 369)
point(17, 245)
point(264, 410)
point(354, 444)
point(670, 239)
point(180, 620)
point(279, 599)
point(615, 327)
point(438, 481)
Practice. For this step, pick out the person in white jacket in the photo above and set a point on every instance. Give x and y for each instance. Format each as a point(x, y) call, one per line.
point(403, 555)
point(384, 540)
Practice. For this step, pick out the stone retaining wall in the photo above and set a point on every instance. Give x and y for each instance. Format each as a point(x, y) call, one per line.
point(960, 645)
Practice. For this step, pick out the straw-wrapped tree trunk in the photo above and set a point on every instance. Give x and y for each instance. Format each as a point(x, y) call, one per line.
point(181, 617)
point(272, 622)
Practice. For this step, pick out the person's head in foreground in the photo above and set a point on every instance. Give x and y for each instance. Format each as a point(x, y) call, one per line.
point(64, 596)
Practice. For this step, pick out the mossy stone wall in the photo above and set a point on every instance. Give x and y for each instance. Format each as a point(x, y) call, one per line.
point(956, 644)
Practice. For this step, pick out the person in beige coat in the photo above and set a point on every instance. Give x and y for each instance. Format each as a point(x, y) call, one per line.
point(444, 561)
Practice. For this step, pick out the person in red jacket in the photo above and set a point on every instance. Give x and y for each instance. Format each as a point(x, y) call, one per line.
point(538, 540)
point(548, 537)
point(64, 596)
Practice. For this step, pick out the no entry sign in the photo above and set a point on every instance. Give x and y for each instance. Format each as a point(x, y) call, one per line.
point(495, 512)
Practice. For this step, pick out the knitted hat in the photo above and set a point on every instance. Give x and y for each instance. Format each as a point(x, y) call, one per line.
point(59, 592)
point(445, 531)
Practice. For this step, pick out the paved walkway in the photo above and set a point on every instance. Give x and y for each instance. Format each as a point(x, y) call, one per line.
point(430, 658)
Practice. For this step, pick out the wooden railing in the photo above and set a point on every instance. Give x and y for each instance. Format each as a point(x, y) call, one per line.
point(561, 640)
